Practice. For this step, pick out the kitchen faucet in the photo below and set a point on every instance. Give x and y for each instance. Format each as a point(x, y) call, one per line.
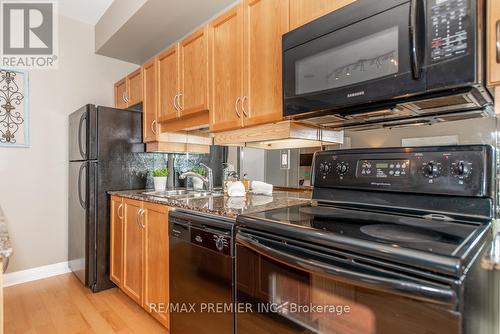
point(208, 180)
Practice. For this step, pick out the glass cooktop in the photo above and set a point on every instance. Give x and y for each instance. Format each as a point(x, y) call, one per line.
point(441, 237)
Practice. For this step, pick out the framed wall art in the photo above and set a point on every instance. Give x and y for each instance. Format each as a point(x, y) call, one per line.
point(14, 109)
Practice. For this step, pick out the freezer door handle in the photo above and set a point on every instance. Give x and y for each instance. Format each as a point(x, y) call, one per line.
point(380, 282)
point(80, 144)
point(80, 197)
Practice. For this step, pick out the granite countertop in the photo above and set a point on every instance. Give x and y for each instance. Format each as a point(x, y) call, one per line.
point(229, 207)
point(5, 246)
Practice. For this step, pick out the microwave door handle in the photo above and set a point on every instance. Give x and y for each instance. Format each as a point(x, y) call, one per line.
point(426, 292)
point(414, 40)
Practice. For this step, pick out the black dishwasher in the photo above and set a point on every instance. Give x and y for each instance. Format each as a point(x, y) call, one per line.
point(201, 273)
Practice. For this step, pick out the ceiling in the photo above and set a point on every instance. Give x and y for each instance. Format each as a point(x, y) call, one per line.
point(136, 31)
point(88, 11)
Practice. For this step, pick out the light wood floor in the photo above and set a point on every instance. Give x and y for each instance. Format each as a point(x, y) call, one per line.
point(61, 304)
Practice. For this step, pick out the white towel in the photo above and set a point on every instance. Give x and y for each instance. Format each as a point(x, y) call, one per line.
point(237, 203)
point(262, 188)
point(236, 189)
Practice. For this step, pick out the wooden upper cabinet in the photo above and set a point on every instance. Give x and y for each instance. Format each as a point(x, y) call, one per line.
point(168, 83)
point(128, 91)
point(304, 11)
point(226, 81)
point(493, 42)
point(156, 264)
point(150, 101)
point(133, 249)
point(265, 21)
point(116, 240)
point(194, 72)
point(120, 91)
point(134, 83)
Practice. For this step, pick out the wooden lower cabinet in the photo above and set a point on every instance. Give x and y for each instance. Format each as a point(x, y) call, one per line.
point(116, 240)
point(133, 249)
point(139, 254)
point(156, 287)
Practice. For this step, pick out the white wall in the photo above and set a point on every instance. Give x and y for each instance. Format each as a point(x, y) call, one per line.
point(33, 181)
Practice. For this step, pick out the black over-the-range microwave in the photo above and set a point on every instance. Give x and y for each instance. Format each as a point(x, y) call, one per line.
point(385, 59)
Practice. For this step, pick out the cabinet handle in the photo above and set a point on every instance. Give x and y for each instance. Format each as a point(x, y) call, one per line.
point(175, 102)
point(126, 97)
point(498, 41)
point(153, 126)
point(243, 106)
point(141, 217)
point(137, 218)
point(123, 97)
point(120, 209)
point(181, 107)
point(236, 107)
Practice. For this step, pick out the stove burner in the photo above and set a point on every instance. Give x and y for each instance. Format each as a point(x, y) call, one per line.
point(399, 233)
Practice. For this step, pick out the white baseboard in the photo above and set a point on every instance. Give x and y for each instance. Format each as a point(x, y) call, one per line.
point(34, 274)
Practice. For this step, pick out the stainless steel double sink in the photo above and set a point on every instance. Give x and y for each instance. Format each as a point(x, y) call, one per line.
point(183, 194)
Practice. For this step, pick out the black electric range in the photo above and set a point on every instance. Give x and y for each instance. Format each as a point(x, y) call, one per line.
point(406, 225)
point(433, 242)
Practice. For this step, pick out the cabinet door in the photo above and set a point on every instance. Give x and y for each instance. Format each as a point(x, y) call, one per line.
point(156, 269)
point(226, 70)
point(304, 11)
point(168, 83)
point(194, 72)
point(134, 89)
point(265, 22)
point(150, 101)
point(133, 246)
point(493, 42)
point(116, 241)
point(120, 91)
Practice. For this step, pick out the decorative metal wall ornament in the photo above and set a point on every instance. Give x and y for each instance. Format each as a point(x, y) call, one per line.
point(14, 108)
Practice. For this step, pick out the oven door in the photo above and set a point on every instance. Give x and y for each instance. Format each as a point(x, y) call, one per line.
point(285, 289)
point(378, 57)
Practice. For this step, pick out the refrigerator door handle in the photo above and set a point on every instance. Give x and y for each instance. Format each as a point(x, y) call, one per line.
point(80, 197)
point(80, 145)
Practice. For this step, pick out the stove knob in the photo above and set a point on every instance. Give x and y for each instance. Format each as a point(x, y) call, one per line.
point(219, 243)
point(342, 168)
point(431, 169)
point(461, 169)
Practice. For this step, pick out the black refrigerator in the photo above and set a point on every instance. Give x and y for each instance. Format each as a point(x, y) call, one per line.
point(105, 153)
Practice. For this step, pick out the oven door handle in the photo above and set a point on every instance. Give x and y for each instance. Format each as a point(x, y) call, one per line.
point(421, 291)
point(414, 40)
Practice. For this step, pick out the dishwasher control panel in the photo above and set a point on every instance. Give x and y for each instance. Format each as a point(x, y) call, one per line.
point(218, 242)
point(213, 238)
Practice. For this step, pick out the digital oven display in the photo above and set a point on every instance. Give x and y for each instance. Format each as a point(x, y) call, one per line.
point(383, 168)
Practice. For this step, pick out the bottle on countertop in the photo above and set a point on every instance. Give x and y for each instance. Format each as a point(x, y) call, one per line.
point(246, 182)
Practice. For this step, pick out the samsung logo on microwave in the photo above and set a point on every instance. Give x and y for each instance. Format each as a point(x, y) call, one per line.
point(356, 94)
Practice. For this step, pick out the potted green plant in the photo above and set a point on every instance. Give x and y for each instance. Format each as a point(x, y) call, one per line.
point(197, 183)
point(160, 178)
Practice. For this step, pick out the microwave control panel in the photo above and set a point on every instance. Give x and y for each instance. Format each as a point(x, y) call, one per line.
point(461, 171)
point(449, 24)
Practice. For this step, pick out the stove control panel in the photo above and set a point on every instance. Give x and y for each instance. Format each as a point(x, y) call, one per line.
point(382, 169)
point(449, 170)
